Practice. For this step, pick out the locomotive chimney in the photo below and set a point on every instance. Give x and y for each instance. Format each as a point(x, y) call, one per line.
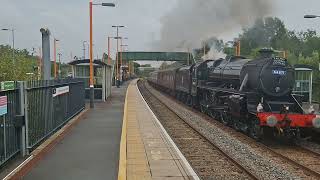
point(266, 53)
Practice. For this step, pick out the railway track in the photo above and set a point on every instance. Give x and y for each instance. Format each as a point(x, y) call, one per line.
point(305, 160)
point(302, 157)
point(208, 160)
point(311, 146)
point(302, 161)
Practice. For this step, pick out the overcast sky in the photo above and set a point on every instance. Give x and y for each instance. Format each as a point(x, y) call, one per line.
point(68, 21)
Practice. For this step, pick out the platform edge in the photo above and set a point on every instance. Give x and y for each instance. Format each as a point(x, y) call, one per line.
point(184, 160)
point(122, 171)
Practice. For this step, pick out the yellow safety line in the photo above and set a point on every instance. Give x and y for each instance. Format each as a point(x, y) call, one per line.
point(122, 174)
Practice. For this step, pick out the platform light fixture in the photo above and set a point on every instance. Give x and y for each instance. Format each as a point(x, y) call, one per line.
point(310, 16)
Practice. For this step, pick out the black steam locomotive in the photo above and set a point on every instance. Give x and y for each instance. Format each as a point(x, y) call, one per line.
point(253, 96)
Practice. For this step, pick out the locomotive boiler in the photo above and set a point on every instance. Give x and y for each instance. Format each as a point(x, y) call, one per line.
point(269, 75)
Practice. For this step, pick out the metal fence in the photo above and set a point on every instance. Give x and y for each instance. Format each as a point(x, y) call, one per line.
point(47, 111)
point(43, 107)
point(9, 141)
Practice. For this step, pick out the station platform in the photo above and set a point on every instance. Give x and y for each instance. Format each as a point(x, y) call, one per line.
point(147, 151)
point(91, 149)
point(119, 139)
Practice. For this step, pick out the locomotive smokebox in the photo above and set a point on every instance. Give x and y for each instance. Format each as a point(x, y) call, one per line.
point(272, 76)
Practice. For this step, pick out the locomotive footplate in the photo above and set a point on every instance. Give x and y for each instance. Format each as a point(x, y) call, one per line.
point(285, 122)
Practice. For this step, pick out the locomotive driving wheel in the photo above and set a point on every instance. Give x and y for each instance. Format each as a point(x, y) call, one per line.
point(255, 130)
point(224, 118)
point(189, 101)
point(203, 109)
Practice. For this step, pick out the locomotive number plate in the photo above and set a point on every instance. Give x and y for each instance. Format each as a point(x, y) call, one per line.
point(279, 72)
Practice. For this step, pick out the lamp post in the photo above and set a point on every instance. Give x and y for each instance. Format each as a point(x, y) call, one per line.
point(55, 56)
point(40, 64)
point(312, 17)
point(117, 58)
point(91, 4)
point(13, 55)
point(310, 95)
point(121, 61)
point(122, 64)
point(109, 48)
point(59, 71)
point(84, 49)
point(121, 55)
point(88, 48)
point(204, 49)
point(121, 49)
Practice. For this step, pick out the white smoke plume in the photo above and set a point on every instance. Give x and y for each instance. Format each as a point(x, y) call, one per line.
point(214, 54)
point(193, 21)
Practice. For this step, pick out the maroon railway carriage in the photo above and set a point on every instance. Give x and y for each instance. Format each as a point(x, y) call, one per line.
point(166, 80)
point(184, 84)
point(153, 78)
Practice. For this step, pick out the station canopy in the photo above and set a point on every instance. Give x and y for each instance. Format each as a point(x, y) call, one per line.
point(158, 56)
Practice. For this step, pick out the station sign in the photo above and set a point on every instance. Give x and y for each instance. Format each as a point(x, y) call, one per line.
point(60, 91)
point(7, 85)
point(3, 105)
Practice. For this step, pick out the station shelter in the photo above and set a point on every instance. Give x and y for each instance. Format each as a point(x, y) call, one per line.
point(102, 77)
point(303, 82)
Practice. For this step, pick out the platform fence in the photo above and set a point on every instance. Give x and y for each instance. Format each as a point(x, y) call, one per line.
point(35, 110)
point(9, 141)
point(47, 111)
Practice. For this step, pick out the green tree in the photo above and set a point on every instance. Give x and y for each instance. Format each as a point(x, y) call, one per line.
point(264, 33)
point(23, 69)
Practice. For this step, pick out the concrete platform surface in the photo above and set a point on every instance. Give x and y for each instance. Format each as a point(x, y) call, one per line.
point(91, 150)
point(150, 153)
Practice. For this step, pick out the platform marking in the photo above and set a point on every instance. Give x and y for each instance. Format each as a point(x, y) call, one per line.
point(184, 160)
point(122, 172)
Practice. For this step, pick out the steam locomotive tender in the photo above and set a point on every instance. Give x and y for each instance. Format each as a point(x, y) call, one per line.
point(254, 96)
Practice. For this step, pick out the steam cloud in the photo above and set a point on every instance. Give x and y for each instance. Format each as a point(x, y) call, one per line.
point(193, 21)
